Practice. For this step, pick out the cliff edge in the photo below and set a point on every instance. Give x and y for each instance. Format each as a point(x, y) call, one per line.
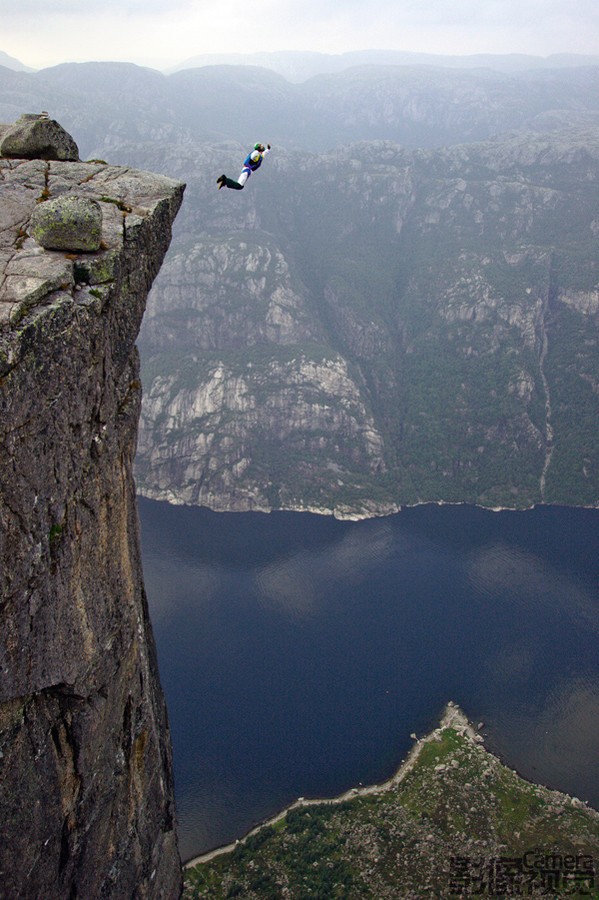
point(86, 788)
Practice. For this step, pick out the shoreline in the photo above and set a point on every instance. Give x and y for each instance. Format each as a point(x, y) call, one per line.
point(342, 515)
point(453, 717)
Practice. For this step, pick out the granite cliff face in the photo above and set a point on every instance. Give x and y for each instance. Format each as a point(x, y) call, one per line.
point(452, 294)
point(85, 759)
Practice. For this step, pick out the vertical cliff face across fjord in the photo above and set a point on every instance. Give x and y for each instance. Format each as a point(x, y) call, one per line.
point(86, 789)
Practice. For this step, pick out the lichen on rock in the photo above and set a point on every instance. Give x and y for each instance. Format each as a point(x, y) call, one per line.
point(68, 223)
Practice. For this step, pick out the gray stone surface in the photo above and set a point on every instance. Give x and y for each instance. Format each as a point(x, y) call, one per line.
point(86, 787)
point(36, 136)
point(68, 223)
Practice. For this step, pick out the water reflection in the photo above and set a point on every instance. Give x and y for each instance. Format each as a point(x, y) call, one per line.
point(298, 653)
point(509, 574)
point(299, 585)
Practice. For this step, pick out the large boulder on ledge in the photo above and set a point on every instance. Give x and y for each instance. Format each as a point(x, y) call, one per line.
point(37, 136)
point(68, 223)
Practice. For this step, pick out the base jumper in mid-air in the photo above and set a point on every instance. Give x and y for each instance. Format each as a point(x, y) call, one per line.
point(252, 162)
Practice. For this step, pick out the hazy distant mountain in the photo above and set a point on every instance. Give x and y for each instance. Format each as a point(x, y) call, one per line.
point(298, 66)
point(109, 105)
point(11, 63)
point(389, 312)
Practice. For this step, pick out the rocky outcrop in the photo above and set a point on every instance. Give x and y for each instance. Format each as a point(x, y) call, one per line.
point(36, 136)
point(85, 759)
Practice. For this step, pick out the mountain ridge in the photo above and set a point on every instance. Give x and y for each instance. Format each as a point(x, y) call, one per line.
point(113, 104)
point(300, 65)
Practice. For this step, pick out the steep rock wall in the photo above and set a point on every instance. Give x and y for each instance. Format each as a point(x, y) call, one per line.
point(455, 290)
point(85, 759)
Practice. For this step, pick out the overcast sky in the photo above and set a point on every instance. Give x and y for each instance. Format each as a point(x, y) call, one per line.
point(164, 32)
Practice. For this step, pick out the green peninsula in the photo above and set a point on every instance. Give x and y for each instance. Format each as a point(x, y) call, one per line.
point(453, 821)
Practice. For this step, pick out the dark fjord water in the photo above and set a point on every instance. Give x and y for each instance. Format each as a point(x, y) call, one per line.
point(298, 653)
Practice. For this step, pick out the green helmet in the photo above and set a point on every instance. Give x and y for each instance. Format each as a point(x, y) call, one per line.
point(259, 147)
